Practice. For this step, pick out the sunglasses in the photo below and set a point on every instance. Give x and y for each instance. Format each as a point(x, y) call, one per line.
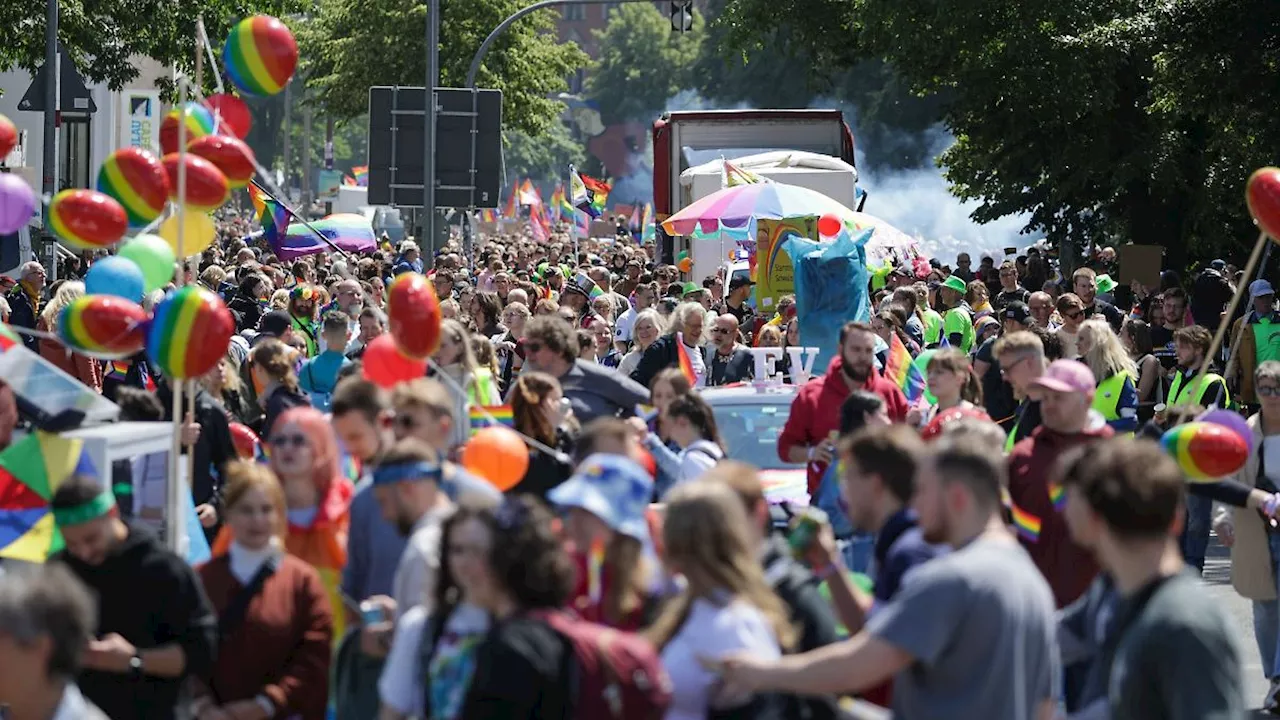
point(282, 441)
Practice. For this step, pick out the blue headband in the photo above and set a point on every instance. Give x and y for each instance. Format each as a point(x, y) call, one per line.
point(400, 472)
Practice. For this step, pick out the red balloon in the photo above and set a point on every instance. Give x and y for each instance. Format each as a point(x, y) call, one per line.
point(232, 114)
point(245, 440)
point(413, 314)
point(228, 154)
point(87, 219)
point(386, 367)
point(1217, 451)
point(1263, 197)
point(8, 136)
point(946, 417)
point(206, 185)
point(829, 225)
point(497, 454)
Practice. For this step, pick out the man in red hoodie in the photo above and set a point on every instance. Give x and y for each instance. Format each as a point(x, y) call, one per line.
point(808, 436)
point(1065, 392)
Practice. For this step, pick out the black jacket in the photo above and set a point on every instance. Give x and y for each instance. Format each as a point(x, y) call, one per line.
point(546, 471)
point(739, 366)
point(280, 399)
point(657, 357)
point(247, 311)
point(213, 449)
point(23, 315)
point(151, 597)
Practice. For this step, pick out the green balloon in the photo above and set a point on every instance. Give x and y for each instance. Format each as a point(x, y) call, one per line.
point(922, 364)
point(154, 258)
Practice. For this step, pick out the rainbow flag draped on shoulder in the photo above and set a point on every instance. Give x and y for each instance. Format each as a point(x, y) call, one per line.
point(901, 370)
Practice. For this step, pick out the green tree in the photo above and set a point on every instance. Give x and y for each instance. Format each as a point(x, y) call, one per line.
point(104, 37)
point(351, 45)
point(543, 158)
point(642, 63)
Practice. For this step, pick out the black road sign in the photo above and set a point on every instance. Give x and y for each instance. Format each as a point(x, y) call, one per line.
point(75, 97)
point(468, 147)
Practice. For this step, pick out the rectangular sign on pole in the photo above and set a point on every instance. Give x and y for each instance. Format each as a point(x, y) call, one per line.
point(468, 147)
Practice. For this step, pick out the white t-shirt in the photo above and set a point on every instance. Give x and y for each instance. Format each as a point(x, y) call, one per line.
point(626, 322)
point(699, 366)
point(415, 580)
point(401, 687)
point(698, 458)
point(711, 631)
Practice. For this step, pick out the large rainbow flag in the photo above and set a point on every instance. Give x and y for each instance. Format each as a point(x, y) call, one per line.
point(349, 231)
point(271, 213)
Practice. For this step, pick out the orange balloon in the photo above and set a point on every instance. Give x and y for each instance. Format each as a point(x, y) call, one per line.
point(497, 454)
point(685, 265)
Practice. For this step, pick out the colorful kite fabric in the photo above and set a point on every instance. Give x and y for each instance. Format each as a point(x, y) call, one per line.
point(30, 471)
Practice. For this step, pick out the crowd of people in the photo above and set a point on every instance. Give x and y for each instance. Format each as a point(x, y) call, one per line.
point(1028, 550)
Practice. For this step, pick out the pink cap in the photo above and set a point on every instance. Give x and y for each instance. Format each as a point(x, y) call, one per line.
point(1068, 376)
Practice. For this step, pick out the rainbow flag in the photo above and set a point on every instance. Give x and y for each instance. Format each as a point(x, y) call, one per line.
point(496, 415)
point(488, 216)
point(901, 371)
point(117, 368)
point(588, 194)
point(647, 219)
point(271, 213)
point(1058, 496)
point(555, 209)
point(582, 223)
point(686, 364)
point(1028, 525)
point(361, 173)
point(348, 181)
point(349, 231)
point(511, 210)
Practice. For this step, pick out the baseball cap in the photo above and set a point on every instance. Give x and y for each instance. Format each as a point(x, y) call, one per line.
point(274, 323)
point(1218, 265)
point(1260, 288)
point(1017, 311)
point(740, 281)
point(1068, 376)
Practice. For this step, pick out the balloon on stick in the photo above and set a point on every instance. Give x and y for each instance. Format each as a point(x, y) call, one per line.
point(114, 275)
point(1262, 195)
point(198, 233)
point(497, 454)
point(1206, 452)
point(230, 155)
point(104, 326)
point(413, 314)
point(231, 114)
point(87, 219)
point(260, 55)
point(8, 136)
point(199, 121)
point(385, 366)
point(206, 188)
point(154, 257)
point(135, 179)
point(17, 203)
point(190, 332)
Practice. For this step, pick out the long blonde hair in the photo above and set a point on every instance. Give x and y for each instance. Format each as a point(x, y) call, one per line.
point(705, 537)
point(68, 293)
point(1106, 356)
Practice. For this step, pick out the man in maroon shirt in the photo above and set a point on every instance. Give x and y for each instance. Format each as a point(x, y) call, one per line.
point(808, 436)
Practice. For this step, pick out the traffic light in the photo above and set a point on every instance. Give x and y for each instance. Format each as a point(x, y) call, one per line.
point(681, 16)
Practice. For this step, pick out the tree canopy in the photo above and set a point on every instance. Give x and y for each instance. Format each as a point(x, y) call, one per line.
point(351, 45)
point(544, 157)
point(641, 63)
point(103, 37)
point(1105, 120)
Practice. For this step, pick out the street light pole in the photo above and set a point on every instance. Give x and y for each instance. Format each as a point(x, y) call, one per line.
point(428, 241)
point(49, 179)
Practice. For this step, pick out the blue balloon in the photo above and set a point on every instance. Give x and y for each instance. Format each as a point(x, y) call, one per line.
point(114, 275)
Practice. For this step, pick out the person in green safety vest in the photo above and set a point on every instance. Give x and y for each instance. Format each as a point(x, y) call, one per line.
point(1191, 344)
point(931, 318)
point(957, 320)
point(1116, 397)
point(1259, 342)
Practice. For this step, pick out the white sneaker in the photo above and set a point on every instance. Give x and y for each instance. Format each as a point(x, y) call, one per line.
point(1272, 702)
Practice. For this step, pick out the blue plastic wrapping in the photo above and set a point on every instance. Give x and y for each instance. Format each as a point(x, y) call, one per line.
point(831, 289)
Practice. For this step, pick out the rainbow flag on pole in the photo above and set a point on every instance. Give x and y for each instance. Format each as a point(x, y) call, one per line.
point(361, 173)
point(901, 370)
point(686, 363)
point(486, 416)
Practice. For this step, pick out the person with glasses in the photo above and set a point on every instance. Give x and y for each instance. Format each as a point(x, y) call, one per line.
point(1010, 289)
point(1071, 309)
point(26, 300)
point(593, 390)
point(1021, 359)
point(727, 360)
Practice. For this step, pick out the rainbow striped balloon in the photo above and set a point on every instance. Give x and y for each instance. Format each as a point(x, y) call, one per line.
point(137, 180)
point(104, 326)
point(198, 119)
point(260, 55)
point(1206, 452)
point(190, 332)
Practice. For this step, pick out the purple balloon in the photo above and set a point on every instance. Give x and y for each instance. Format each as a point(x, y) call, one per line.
point(1233, 421)
point(17, 203)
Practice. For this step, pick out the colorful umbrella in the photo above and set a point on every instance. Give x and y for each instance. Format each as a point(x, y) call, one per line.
point(30, 471)
point(886, 241)
point(735, 207)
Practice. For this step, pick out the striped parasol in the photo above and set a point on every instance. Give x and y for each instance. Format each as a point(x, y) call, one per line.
point(735, 207)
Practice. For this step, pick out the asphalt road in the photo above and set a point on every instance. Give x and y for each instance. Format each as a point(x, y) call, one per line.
point(1217, 576)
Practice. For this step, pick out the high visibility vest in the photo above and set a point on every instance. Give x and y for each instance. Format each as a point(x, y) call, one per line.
point(481, 388)
point(1106, 399)
point(1201, 384)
